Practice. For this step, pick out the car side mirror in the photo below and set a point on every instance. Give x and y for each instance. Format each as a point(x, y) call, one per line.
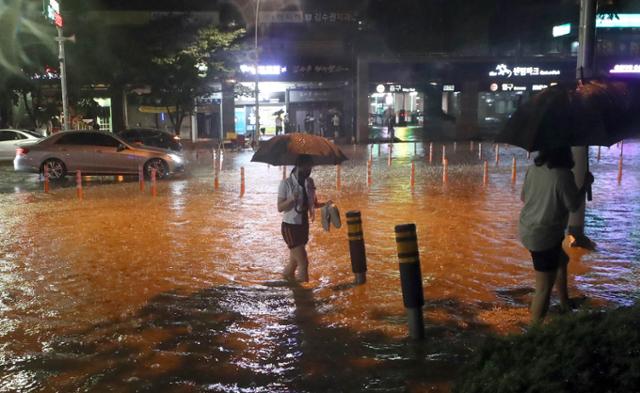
point(121, 147)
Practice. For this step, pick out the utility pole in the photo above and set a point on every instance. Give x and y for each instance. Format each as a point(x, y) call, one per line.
point(63, 79)
point(585, 69)
point(256, 134)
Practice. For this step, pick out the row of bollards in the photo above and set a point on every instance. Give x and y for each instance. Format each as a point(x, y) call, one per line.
point(409, 264)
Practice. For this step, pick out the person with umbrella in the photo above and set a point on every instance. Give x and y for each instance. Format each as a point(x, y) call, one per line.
point(549, 193)
point(296, 195)
point(297, 201)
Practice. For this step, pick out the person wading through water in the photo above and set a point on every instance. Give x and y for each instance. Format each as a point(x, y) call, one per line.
point(297, 201)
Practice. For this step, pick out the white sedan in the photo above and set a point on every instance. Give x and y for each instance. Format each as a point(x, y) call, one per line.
point(9, 140)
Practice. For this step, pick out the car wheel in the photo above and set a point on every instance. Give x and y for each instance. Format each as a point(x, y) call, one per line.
point(159, 165)
point(55, 168)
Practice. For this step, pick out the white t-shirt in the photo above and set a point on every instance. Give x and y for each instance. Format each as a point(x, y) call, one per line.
point(286, 189)
point(548, 195)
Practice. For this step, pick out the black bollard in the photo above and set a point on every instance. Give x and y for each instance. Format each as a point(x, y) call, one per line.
point(411, 278)
point(356, 247)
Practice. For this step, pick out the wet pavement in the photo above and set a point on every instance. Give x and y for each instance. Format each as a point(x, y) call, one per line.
point(182, 293)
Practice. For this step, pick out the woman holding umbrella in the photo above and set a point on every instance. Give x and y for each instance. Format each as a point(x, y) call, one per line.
point(297, 201)
point(549, 193)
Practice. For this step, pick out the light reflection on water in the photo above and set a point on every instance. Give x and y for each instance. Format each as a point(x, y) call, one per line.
point(123, 291)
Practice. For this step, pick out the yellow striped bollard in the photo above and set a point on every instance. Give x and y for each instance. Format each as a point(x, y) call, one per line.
point(241, 182)
point(480, 151)
point(513, 171)
point(411, 278)
point(356, 247)
point(369, 173)
point(338, 178)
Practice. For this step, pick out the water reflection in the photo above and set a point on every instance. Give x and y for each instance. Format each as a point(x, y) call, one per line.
point(123, 291)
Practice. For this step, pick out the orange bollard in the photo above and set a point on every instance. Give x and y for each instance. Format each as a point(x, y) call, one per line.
point(241, 182)
point(216, 181)
point(338, 184)
point(485, 175)
point(497, 154)
point(413, 174)
point(513, 171)
point(46, 179)
point(369, 172)
point(390, 159)
point(445, 170)
point(154, 184)
point(141, 177)
point(480, 151)
point(444, 153)
point(620, 170)
point(598, 157)
point(79, 191)
point(431, 153)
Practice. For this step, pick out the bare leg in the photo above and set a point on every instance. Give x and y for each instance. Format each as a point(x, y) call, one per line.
point(540, 304)
point(300, 255)
point(290, 269)
point(561, 286)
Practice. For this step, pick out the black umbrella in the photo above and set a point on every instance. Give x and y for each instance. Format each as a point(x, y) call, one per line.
point(285, 150)
point(591, 113)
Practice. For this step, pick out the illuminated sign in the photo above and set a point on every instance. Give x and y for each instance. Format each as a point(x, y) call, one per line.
point(619, 21)
point(263, 69)
point(562, 30)
point(448, 87)
point(539, 87)
point(380, 88)
point(52, 12)
point(625, 69)
point(504, 70)
point(493, 87)
point(512, 87)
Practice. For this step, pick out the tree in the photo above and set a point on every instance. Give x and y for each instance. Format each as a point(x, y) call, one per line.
point(180, 74)
point(26, 47)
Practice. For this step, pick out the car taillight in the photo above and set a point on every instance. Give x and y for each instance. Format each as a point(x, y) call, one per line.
point(22, 151)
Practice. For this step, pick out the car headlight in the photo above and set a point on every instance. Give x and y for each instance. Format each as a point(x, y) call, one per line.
point(176, 158)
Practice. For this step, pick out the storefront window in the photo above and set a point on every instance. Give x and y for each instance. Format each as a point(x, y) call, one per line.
point(405, 108)
point(495, 108)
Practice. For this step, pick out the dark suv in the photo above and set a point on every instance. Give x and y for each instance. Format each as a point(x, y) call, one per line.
point(151, 137)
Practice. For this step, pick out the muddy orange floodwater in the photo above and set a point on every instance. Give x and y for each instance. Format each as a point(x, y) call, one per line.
point(182, 292)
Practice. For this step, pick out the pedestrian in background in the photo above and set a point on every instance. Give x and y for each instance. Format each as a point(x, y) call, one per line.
point(549, 193)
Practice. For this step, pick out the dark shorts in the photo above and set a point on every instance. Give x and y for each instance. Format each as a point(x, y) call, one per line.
point(295, 235)
point(549, 260)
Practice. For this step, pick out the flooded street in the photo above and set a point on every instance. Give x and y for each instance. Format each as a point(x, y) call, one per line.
point(182, 293)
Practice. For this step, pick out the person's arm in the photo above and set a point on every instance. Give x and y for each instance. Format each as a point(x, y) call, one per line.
point(285, 203)
point(573, 197)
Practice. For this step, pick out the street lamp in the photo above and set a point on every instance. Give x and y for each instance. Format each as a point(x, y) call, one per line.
point(257, 91)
